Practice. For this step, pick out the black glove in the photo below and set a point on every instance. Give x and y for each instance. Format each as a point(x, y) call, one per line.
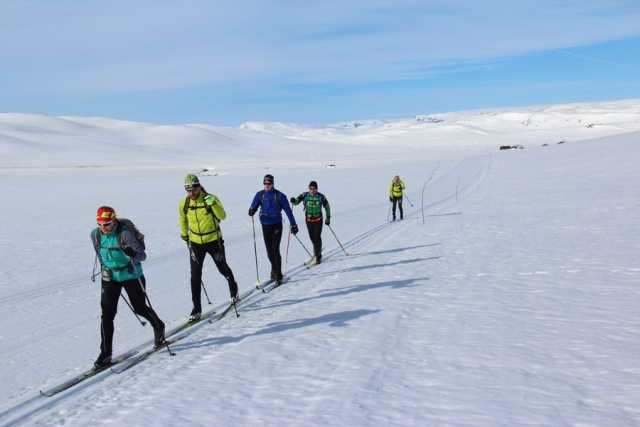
point(328, 220)
point(294, 229)
point(185, 238)
point(293, 200)
point(391, 199)
point(130, 252)
point(252, 212)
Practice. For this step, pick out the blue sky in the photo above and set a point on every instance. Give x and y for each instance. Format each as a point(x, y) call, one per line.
point(306, 61)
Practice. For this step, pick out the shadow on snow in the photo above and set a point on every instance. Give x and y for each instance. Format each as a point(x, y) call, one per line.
point(334, 320)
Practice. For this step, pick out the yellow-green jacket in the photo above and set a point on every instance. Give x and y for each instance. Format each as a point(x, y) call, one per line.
point(201, 222)
point(395, 189)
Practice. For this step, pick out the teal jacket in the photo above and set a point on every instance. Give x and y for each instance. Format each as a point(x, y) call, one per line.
point(111, 255)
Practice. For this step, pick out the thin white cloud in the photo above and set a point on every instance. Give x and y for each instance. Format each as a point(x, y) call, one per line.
point(596, 60)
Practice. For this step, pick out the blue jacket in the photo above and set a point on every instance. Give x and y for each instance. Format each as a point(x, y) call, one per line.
point(270, 212)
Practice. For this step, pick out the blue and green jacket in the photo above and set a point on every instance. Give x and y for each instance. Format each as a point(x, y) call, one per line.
point(313, 205)
point(111, 254)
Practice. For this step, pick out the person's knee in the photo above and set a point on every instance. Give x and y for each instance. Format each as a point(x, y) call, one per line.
point(108, 314)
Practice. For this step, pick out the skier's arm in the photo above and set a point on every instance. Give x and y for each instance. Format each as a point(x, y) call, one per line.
point(285, 206)
point(184, 222)
point(296, 201)
point(256, 201)
point(98, 235)
point(130, 241)
point(218, 209)
point(327, 208)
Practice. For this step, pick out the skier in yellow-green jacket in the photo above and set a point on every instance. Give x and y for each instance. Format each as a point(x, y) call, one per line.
point(395, 195)
point(200, 214)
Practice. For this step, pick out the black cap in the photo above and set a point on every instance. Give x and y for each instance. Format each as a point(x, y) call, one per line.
point(268, 178)
point(313, 184)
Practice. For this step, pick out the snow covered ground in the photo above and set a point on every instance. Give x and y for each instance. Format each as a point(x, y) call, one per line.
point(515, 303)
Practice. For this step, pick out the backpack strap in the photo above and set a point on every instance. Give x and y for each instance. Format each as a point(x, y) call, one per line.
point(186, 204)
point(119, 228)
point(306, 199)
point(276, 200)
point(187, 201)
point(97, 239)
point(95, 236)
point(207, 207)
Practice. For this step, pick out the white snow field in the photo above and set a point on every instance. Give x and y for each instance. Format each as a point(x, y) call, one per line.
point(515, 303)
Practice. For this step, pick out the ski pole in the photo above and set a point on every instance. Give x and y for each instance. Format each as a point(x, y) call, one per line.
point(304, 246)
point(134, 312)
point(286, 259)
point(334, 235)
point(389, 214)
point(193, 257)
point(255, 248)
point(144, 291)
point(226, 268)
point(408, 200)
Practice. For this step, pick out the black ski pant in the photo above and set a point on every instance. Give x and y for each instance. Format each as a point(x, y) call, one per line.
point(272, 237)
point(398, 201)
point(315, 235)
point(200, 251)
point(109, 302)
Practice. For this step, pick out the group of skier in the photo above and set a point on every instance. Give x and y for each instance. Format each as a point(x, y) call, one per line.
point(120, 247)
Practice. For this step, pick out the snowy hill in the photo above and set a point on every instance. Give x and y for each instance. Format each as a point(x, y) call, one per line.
point(514, 303)
point(39, 141)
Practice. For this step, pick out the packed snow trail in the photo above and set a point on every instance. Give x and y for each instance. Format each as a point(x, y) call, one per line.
point(299, 274)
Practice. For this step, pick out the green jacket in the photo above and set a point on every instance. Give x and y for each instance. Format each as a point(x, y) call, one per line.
point(201, 222)
point(395, 189)
point(111, 255)
point(313, 205)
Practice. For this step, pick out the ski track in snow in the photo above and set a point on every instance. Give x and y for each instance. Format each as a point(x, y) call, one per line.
point(515, 305)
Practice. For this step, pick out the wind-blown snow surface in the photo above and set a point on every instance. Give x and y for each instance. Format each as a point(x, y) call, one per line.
point(516, 304)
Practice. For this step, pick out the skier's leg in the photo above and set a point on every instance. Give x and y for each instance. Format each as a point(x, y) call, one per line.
point(109, 304)
point(217, 252)
point(196, 275)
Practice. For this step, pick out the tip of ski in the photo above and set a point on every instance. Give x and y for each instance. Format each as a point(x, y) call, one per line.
point(86, 375)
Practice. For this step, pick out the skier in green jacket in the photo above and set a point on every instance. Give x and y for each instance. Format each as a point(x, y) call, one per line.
point(313, 202)
point(200, 214)
point(395, 195)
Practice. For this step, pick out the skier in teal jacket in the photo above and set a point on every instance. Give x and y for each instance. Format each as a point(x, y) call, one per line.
point(119, 254)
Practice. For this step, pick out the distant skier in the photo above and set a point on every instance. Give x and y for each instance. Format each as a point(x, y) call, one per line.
point(271, 203)
point(200, 214)
point(395, 195)
point(313, 202)
point(119, 253)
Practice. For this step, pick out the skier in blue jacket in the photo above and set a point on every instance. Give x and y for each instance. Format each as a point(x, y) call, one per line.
point(271, 203)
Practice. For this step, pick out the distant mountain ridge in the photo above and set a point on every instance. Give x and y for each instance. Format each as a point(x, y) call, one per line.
point(31, 140)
